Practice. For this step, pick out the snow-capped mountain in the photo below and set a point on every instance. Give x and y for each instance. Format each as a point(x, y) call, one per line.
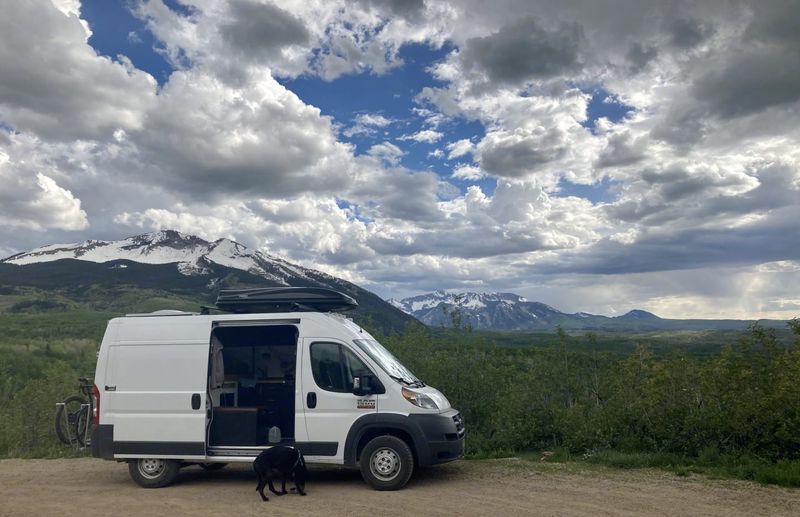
point(191, 255)
point(506, 311)
point(509, 311)
point(172, 261)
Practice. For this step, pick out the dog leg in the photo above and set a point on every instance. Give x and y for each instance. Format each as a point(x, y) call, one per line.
point(283, 487)
point(260, 490)
point(272, 488)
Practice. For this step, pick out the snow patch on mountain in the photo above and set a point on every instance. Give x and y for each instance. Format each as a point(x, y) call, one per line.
point(192, 255)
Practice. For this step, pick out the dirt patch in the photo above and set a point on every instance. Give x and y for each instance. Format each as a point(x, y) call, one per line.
point(94, 487)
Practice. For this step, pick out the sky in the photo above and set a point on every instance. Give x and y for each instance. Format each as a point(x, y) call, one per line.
point(595, 156)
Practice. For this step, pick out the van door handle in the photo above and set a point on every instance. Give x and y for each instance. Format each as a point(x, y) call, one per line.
point(196, 401)
point(311, 400)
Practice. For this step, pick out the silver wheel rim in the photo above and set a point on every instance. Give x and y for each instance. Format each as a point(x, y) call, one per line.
point(151, 468)
point(385, 464)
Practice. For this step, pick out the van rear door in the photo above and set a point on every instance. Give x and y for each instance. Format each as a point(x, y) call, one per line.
point(155, 394)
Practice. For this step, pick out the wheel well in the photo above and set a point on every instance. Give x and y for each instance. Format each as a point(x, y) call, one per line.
point(369, 434)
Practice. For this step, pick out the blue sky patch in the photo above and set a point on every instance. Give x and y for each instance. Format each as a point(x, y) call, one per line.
point(605, 104)
point(391, 96)
point(115, 30)
point(600, 192)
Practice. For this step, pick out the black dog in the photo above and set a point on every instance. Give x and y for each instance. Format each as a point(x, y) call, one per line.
point(283, 462)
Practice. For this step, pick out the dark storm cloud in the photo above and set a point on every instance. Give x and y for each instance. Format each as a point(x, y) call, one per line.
point(676, 193)
point(639, 56)
point(776, 21)
point(777, 188)
point(257, 28)
point(687, 34)
point(683, 125)
point(768, 240)
point(622, 150)
point(526, 50)
point(760, 71)
point(518, 158)
point(750, 82)
point(409, 9)
point(397, 193)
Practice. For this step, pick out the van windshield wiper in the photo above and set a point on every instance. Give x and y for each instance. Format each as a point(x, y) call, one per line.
point(414, 384)
point(400, 379)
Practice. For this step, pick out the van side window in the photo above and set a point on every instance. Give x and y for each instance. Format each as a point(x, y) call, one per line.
point(334, 367)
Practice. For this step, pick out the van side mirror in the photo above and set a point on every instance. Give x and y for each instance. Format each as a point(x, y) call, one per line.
point(362, 385)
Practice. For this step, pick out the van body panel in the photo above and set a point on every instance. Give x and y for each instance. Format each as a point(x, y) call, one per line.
point(154, 388)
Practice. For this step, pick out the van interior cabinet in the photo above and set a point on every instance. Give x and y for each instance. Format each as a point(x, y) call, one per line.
point(235, 426)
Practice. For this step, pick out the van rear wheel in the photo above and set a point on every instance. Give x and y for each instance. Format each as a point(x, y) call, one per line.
point(386, 463)
point(153, 472)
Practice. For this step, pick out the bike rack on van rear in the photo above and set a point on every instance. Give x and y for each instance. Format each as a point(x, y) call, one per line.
point(71, 432)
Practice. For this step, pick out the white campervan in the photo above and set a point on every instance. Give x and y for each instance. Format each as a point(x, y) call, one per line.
point(175, 388)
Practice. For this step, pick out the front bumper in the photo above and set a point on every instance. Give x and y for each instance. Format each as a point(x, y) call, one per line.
point(444, 435)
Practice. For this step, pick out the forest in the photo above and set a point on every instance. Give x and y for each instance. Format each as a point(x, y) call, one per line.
point(731, 412)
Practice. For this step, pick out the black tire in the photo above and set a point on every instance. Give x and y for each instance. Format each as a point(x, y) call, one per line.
point(67, 417)
point(212, 466)
point(153, 472)
point(386, 463)
point(81, 425)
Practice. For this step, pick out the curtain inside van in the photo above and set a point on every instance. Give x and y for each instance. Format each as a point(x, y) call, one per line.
point(217, 363)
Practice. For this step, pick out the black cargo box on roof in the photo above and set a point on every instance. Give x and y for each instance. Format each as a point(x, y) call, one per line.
point(284, 299)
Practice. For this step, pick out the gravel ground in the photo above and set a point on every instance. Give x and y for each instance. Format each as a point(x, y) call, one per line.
point(88, 487)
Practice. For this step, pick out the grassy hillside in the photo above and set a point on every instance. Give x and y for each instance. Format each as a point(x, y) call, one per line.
point(123, 286)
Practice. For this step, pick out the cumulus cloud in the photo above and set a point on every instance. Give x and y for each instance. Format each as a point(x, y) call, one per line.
point(215, 140)
point(367, 124)
point(56, 85)
point(465, 171)
point(459, 148)
point(259, 29)
point(525, 50)
point(520, 217)
point(387, 152)
point(427, 136)
point(30, 198)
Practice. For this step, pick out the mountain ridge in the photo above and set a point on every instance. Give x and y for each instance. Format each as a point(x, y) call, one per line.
point(509, 311)
point(174, 262)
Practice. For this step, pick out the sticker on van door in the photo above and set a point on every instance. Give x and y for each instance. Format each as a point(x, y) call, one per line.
point(366, 404)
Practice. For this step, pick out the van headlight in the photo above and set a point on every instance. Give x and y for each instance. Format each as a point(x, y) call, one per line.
point(419, 399)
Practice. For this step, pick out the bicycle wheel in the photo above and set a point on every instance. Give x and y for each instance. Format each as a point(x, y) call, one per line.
point(67, 418)
point(81, 424)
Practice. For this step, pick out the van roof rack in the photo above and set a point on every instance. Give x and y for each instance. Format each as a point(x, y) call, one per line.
point(284, 299)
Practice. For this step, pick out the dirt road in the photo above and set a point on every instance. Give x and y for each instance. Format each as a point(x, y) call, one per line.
point(504, 487)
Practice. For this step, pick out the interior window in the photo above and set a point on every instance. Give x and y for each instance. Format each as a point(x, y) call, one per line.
point(334, 367)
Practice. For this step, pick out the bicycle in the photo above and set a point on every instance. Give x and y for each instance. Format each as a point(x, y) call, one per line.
point(73, 416)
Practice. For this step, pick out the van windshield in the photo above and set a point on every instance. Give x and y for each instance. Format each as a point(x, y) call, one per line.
point(388, 362)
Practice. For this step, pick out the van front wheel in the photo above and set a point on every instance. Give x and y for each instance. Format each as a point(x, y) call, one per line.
point(153, 472)
point(386, 463)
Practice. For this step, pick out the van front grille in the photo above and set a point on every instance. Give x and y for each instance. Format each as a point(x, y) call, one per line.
point(459, 421)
